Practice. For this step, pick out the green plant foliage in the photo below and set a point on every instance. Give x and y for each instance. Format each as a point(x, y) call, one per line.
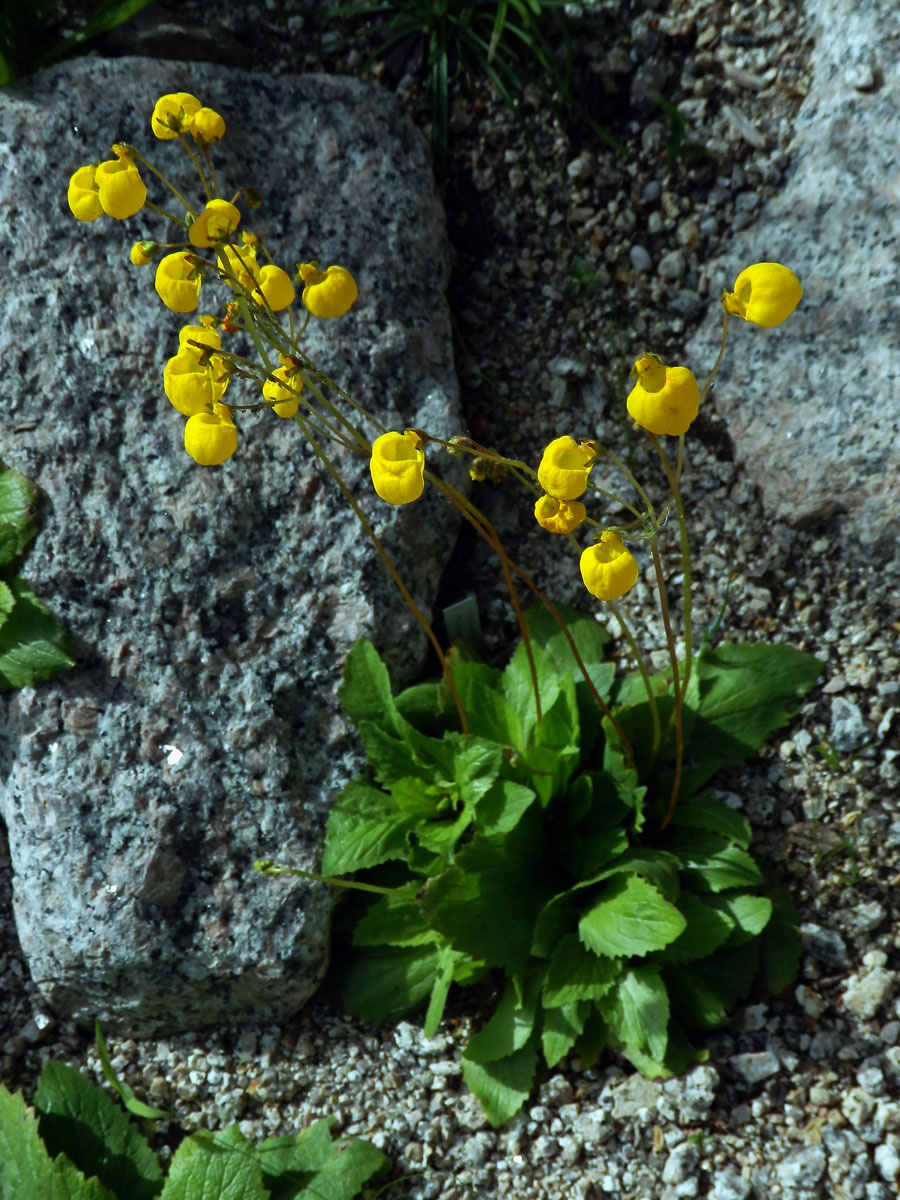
point(532, 849)
point(32, 645)
point(77, 1144)
point(506, 42)
point(23, 34)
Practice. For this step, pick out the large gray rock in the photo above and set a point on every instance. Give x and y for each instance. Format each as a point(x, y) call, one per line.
point(814, 406)
point(211, 608)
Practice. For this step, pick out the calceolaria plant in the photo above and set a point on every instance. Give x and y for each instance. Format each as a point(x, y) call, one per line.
point(75, 1141)
point(544, 828)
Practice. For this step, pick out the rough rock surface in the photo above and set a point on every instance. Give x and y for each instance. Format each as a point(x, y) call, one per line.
point(814, 414)
point(211, 609)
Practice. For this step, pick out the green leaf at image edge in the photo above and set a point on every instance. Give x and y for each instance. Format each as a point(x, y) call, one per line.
point(33, 647)
point(17, 504)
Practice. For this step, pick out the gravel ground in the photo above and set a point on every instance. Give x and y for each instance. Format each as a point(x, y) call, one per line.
point(799, 1097)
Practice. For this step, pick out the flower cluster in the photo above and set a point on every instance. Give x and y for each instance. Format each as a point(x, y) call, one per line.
point(195, 379)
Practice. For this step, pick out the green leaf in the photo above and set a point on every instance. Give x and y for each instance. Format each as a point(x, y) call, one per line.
point(310, 1166)
point(366, 827)
point(489, 714)
point(420, 705)
point(679, 1056)
point(388, 981)
point(79, 1120)
point(702, 812)
point(708, 928)
point(17, 506)
point(749, 914)
point(366, 690)
point(518, 688)
point(637, 1011)
point(629, 917)
point(440, 990)
point(575, 973)
point(393, 921)
point(215, 1167)
point(561, 1029)
point(122, 1090)
point(594, 1040)
point(747, 691)
point(712, 861)
point(502, 806)
point(7, 603)
point(486, 904)
point(502, 1087)
point(388, 757)
point(703, 993)
point(510, 1027)
point(26, 1169)
point(585, 854)
point(658, 867)
point(590, 640)
point(32, 645)
point(476, 764)
point(780, 942)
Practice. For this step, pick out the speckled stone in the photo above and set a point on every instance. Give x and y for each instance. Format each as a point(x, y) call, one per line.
point(211, 609)
point(813, 406)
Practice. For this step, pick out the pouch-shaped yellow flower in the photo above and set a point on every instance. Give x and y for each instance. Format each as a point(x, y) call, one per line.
point(284, 400)
point(178, 283)
point(218, 221)
point(210, 437)
point(328, 293)
point(608, 568)
point(664, 399)
point(564, 468)
point(172, 114)
point(143, 252)
point(208, 335)
point(558, 516)
point(192, 386)
point(243, 265)
point(276, 286)
point(766, 294)
point(398, 467)
point(207, 125)
point(122, 191)
point(83, 194)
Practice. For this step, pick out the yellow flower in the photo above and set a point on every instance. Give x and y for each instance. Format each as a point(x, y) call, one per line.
point(178, 282)
point(766, 294)
point(122, 191)
point(191, 385)
point(564, 468)
point(557, 516)
point(243, 265)
point(283, 398)
point(83, 195)
point(608, 568)
point(206, 334)
point(398, 467)
point(172, 114)
point(216, 223)
point(210, 438)
point(664, 399)
point(276, 287)
point(207, 126)
point(143, 253)
point(327, 293)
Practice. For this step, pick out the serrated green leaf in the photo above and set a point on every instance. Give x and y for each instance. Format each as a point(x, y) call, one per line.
point(7, 602)
point(486, 904)
point(502, 806)
point(215, 1167)
point(703, 812)
point(585, 854)
point(489, 713)
point(679, 1056)
point(502, 1087)
point(746, 692)
point(17, 505)
point(748, 913)
point(366, 690)
point(637, 1011)
point(310, 1166)
point(561, 1029)
point(590, 640)
point(388, 981)
point(708, 928)
point(517, 688)
point(712, 861)
point(575, 973)
point(509, 1028)
point(33, 647)
point(630, 918)
point(26, 1169)
point(658, 867)
point(79, 1120)
point(393, 920)
point(389, 757)
point(365, 828)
